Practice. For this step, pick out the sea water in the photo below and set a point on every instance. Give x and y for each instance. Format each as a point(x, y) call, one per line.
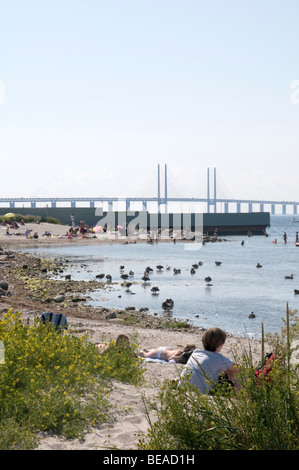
point(237, 287)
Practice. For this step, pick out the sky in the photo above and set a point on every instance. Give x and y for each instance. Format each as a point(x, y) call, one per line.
point(95, 94)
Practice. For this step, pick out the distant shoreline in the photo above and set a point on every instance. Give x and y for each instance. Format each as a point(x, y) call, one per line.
point(59, 237)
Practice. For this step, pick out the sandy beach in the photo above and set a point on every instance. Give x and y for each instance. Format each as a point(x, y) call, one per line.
point(57, 235)
point(130, 418)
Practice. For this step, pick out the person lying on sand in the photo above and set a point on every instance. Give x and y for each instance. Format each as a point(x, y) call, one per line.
point(166, 353)
point(121, 341)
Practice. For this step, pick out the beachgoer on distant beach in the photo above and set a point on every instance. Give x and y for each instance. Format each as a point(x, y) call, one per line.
point(27, 233)
point(206, 366)
point(166, 353)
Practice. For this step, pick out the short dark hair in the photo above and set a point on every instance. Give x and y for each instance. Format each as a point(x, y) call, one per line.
point(213, 338)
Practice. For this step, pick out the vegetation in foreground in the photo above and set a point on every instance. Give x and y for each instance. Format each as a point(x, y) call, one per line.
point(53, 382)
point(264, 415)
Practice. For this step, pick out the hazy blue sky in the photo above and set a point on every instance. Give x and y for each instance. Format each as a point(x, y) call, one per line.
point(94, 94)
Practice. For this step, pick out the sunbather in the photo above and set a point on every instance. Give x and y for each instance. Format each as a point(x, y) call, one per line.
point(166, 353)
point(121, 341)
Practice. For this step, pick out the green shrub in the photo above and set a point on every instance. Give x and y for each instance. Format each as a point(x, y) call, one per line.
point(29, 218)
point(19, 217)
point(119, 362)
point(263, 415)
point(53, 381)
point(259, 417)
point(52, 220)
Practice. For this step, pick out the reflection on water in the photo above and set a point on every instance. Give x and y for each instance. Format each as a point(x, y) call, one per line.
point(237, 287)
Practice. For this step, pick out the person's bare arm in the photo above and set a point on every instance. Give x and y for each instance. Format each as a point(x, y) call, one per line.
point(175, 357)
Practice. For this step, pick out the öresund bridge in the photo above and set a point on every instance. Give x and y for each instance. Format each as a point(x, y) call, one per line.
point(211, 203)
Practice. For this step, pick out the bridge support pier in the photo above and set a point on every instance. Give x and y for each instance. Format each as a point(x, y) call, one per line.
point(284, 209)
point(211, 203)
point(272, 209)
point(295, 210)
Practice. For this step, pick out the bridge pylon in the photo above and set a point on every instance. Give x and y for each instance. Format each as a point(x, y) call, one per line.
point(211, 201)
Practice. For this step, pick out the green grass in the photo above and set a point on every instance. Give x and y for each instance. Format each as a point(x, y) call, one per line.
point(55, 382)
point(177, 325)
point(263, 415)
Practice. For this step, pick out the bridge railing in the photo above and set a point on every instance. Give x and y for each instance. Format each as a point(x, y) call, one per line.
point(210, 204)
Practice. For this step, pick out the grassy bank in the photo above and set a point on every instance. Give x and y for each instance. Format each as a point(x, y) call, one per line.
point(55, 382)
point(263, 415)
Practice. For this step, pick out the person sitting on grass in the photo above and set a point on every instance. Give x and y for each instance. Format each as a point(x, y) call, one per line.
point(122, 341)
point(166, 353)
point(205, 367)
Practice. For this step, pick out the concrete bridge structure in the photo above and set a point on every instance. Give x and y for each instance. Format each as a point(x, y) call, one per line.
point(211, 202)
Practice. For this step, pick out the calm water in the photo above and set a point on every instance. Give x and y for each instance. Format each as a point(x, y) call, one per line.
point(238, 287)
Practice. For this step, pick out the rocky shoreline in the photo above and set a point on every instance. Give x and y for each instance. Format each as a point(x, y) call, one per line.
point(36, 285)
point(29, 287)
